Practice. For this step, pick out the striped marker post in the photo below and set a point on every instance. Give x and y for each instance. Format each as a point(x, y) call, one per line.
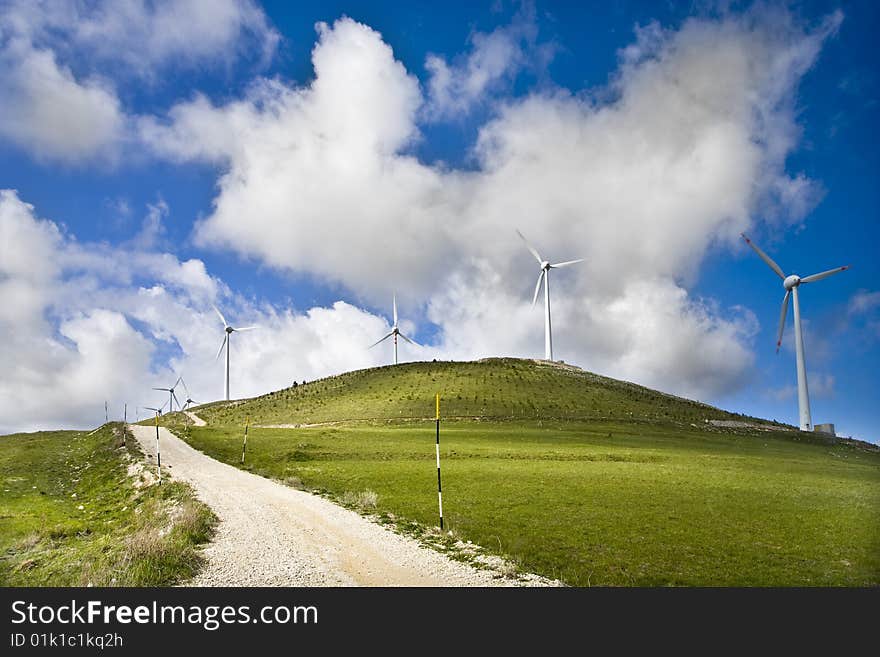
point(158, 453)
point(439, 487)
point(247, 421)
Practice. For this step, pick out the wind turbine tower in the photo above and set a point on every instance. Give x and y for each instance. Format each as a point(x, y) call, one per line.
point(791, 283)
point(544, 277)
point(226, 343)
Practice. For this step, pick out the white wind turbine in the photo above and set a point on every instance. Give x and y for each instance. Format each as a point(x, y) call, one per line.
point(226, 341)
point(544, 277)
point(189, 400)
point(791, 284)
point(157, 411)
point(395, 331)
point(171, 396)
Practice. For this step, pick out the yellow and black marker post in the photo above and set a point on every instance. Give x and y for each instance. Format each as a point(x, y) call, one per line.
point(158, 454)
point(247, 421)
point(439, 487)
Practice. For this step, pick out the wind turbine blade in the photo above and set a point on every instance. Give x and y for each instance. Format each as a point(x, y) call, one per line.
point(538, 286)
point(246, 328)
point(176, 382)
point(782, 315)
point(220, 315)
point(825, 274)
point(408, 340)
point(175, 399)
point(567, 263)
point(163, 389)
point(222, 344)
point(382, 340)
point(184, 387)
point(394, 302)
point(765, 257)
point(530, 247)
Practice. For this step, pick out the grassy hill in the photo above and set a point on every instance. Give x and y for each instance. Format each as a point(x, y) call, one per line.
point(504, 389)
point(570, 475)
point(77, 509)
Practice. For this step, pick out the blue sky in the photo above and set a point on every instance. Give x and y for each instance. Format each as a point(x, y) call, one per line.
point(296, 164)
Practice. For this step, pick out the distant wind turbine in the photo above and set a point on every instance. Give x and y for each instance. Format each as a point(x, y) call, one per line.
point(171, 396)
point(791, 284)
point(189, 400)
point(395, 331)
point(544, 277)
point(226, 341)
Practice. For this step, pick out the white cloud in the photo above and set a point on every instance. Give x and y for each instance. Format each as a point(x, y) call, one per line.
point(143, 36)
point(49, 113)
point(57, 58)
point(863, 302)
point(315, 183)
point(152, 228)
point(495, 58)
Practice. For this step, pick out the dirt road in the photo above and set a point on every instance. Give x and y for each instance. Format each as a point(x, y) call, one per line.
point(273, 535)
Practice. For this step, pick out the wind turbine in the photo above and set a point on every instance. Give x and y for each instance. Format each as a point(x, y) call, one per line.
point(189, 400)
point(157, 411)
point(395, 331)
point(791, 284)
point(171, 396)
point(544, 276)
point(226, 340)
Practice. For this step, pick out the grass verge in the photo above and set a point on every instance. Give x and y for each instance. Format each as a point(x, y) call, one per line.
point(78, 509)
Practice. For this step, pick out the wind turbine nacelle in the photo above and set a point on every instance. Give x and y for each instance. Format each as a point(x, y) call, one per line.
point(229, 329)
point(791, 281)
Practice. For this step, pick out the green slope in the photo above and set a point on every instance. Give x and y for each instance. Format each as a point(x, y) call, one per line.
point(498, 389)
point(72, 515)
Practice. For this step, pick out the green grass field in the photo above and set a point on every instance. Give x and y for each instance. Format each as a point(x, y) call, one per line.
point(615, 485)
point(70, 514)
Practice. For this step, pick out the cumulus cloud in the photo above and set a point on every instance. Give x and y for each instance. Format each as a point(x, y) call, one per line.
point(642, 179)
point(314, 181)
point(84, 323)
point(145, 35)
point(49, 113)
point(58, 58)
point(494, 58)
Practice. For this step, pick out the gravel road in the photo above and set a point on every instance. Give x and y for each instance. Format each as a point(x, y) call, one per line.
point(273, 535)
